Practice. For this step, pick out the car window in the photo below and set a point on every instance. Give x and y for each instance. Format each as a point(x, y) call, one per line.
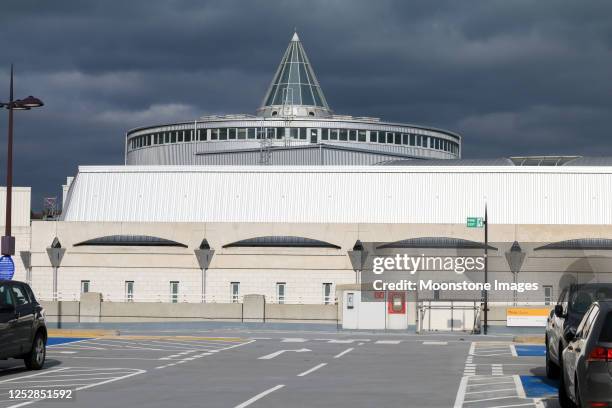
point(580, 301)
point(20, 295)
point(606, 330)
point(5, 296)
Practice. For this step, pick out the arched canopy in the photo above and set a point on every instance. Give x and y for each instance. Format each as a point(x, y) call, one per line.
point(436, 242)
point(281, 242)
point(580, 244)
point(130, 240)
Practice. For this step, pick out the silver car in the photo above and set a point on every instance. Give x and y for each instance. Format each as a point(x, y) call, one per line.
point(586, 377)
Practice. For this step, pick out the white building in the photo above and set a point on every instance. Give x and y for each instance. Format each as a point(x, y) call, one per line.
point(131, 232)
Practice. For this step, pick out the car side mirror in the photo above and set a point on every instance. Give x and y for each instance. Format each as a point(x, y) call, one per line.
point(559, 311)
point(7, 309)
point(569, 334)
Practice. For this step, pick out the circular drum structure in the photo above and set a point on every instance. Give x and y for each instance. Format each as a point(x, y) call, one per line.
point(294, 126)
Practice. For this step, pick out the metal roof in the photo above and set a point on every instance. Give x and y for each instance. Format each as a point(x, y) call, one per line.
point(341, 194)
point(448, 162)
point(281, 241)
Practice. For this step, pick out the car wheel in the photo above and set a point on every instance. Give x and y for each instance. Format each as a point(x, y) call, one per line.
point(564, 399)
point(35, 359)
point(552, 370)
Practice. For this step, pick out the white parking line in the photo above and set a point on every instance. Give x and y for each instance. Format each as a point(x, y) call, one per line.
point(293, 340)
point(435, 343)
point(388, 342)
point(348, 350)
point(315, 368)
point(520, 391)
point(259, 396)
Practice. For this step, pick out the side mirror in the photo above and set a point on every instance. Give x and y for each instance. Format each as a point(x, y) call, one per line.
point(559, 311)
point(7, 309)
point(569, 334)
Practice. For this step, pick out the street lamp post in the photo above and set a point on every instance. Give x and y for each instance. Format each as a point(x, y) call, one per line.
point(8, 241)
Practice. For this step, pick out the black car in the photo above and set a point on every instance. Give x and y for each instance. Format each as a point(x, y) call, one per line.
point(586, 374)
point(23, 332)
point(573, 303)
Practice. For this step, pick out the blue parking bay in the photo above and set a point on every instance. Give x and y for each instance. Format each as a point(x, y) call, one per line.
point(539, 387)
point(530, 350)
point(53, 341)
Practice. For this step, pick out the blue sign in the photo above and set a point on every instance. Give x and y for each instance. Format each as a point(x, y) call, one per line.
point(7, 268)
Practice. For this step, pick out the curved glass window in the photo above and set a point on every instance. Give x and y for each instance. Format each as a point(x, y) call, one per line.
point(130, 240)
point(280, 242)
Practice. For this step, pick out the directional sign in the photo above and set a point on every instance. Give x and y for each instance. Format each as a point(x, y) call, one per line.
point(278, 353)
point(7, 268)
point(475, 222)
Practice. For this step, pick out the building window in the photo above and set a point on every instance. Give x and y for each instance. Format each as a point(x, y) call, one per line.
point(181, 135)
point(362, 136)
point(405, 137)
point(251, 132)
point(324, 134)
point(303, 133)
point(353, 135)
point(172, 137)
point(223, 134)
point(314, 135)
point(280, 292)
point(129, 291)
point(373, 136)
point(188, 135)
point(334, 134)
point(548, 295)
point(214, 135)
point(242, 133)
point(397, 138)
point(84, 286)
point(235, 292)
point(327, 294)
point(343, 135)
point(294, 133)
point(174, 291)
point(412, 139)
point(381, 137)
point(232, 133)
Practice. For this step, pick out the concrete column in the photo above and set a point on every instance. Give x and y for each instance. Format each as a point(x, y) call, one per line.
point(253, 308)
point(90, 307)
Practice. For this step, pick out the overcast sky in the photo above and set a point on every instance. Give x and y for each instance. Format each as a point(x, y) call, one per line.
point(513, 77)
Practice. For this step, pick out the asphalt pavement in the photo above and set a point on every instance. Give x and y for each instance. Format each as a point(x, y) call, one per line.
point(283, 368)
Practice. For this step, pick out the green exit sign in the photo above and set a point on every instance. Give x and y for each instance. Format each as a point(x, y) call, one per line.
point(475, 222)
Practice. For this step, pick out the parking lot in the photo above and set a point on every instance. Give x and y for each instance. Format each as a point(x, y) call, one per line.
point(285, 369)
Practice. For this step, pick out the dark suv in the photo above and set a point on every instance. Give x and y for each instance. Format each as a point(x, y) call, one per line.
point(23, 333)
point(573, 303)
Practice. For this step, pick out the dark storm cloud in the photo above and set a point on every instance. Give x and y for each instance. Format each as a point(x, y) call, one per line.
point(514, 77)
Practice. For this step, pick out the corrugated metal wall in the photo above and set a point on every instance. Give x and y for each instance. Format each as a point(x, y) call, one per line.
point(20, 216)
point(187, 154)
point(386, 194)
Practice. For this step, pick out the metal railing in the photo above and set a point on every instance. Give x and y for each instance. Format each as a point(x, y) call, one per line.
point(184, 298)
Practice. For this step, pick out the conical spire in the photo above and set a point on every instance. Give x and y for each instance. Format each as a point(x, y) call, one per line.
point(295, 90)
